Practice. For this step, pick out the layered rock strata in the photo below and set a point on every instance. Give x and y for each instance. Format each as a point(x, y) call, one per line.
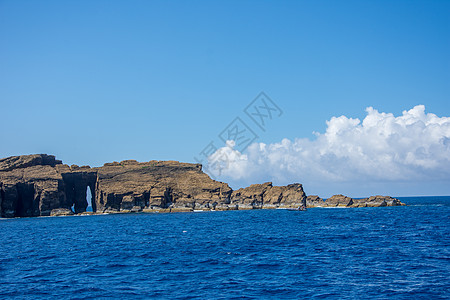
point(156, 185)
point(34, 185)
point(41, 185)
point(268, 196)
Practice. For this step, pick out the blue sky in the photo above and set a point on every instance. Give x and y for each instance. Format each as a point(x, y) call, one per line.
point(99, 81)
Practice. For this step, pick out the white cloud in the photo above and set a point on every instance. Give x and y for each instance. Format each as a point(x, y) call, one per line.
point(411, 147)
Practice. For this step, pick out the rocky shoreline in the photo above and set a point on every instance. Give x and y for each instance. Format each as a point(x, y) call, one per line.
point(40, 185)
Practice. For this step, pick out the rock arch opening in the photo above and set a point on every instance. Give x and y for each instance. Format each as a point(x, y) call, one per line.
point(89, 199)
point(79, 188)
point(84, 202)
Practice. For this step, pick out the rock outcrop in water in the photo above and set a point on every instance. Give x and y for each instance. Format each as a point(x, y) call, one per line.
point(40, 185)
point(344, 201)
point(133, 186)
point(34, 185)
point(268, 196)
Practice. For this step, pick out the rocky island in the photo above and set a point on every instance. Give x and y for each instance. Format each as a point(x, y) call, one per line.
point(41, 185)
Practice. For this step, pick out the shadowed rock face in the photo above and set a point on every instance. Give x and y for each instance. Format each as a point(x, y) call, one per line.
point(31, 191)
point(268, 196)
point(76, 180)
point(34, 185)
point(314, 201)
point(40, 185)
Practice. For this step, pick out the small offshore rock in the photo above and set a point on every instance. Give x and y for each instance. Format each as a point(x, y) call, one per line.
point(61, 212)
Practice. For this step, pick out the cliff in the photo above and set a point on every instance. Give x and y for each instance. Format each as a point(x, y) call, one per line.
point(130, 185)
point(40, 185)
point(268, 196)
point(34, 185)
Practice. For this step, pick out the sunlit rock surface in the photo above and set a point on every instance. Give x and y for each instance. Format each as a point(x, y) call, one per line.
point(40, 185)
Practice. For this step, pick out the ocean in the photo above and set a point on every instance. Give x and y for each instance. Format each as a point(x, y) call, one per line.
point(321, 253)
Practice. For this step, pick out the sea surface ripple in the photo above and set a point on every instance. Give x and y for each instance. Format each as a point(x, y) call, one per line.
point(358, 253)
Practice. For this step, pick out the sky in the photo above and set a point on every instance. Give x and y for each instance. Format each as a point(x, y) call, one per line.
point(356, 94)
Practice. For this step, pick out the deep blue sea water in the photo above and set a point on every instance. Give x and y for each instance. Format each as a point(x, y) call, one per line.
point(358, 253)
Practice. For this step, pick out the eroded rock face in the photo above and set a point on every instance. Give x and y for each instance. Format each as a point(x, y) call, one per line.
point(31, 191)
point(268, 196)
point(34, 185)
point(76, 180)
point(314, 201)
point(40, 185)
point(339, 200)
point(129, 185)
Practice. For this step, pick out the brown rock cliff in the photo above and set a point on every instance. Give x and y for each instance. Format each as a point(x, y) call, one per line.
point(40, 185)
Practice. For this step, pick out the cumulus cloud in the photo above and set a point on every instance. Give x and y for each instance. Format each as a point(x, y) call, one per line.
point(383, 147)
